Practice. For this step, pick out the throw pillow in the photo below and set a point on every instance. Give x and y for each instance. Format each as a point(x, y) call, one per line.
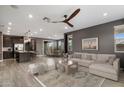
point(73, 56)
point(77, 56)
point(111, 60)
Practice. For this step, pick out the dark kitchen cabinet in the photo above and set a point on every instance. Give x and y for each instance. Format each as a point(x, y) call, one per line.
point(1, 44)
point(7, 55)
point(9, 41)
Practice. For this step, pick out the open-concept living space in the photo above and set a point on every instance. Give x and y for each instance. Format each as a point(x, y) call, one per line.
point(61, 46)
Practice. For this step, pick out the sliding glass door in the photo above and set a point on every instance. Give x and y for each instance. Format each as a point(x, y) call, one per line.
point(53, 48)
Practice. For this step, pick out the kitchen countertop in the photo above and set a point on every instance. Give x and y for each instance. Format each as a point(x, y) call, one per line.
point(26, 51)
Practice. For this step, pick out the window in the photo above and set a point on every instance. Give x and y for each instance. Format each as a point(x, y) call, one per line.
point(69, 43)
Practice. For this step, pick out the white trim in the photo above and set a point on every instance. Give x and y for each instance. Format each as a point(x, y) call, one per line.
point(115, 48)
point(119, 51)
point(40, 55)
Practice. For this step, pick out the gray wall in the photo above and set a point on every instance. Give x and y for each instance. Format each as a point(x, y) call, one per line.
point(39, 46)
point(105, 33)
point(1, 45)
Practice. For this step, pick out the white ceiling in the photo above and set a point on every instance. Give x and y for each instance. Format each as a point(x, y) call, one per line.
point(88, 16)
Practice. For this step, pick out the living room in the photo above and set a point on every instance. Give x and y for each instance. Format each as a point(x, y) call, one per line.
point(69, 46)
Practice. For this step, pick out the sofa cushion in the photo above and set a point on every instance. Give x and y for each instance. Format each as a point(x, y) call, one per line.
point(87, 61)
point(38, 68)
point(104, 57)
point(104, 68)
point(83, 56)
point(91, 56)
point(75, 59)
point(77, 55)
point(83, 62)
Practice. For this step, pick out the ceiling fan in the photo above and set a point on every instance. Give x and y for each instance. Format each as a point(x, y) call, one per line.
point(1, 25)
point(14, 6)
point(66, 20)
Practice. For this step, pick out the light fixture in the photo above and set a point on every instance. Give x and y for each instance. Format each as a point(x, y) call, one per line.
point(9, 28)
point(10, 23)
point(27, 37)
point(41, 29)
point(105, 14)
point(46, 19)
point(8, 31)
point(66, 27)
point(30, 16)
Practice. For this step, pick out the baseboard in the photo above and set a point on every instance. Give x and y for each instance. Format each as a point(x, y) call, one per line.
point(9, 59)
point(40, 55)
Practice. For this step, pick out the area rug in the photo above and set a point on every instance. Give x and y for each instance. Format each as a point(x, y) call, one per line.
point(82, 78)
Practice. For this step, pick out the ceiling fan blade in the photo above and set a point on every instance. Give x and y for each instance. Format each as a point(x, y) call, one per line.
point(66, 19)
point(73, 14)
point(56, 21)
point(14, 6)
point(69, 24)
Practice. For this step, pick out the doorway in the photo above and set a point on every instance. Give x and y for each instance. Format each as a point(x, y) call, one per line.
point(53, 47)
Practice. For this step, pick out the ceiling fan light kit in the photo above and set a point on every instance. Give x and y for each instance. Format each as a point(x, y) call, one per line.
point(66, 20)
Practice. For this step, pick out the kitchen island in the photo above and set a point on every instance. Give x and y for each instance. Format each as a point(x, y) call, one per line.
point(24, 56)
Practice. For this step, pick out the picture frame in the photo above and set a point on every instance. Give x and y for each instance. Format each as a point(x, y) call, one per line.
point(90, 44)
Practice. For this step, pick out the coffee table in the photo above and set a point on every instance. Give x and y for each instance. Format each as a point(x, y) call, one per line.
point(68, 66)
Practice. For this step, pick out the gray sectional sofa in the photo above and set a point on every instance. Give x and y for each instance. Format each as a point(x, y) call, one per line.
point(105, 65)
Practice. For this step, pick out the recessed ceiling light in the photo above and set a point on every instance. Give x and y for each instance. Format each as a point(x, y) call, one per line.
point(30, 16)
point(9, 28)
point(105, 14)
point(10, 23)
point(66, 27)
point(41, 29)
point(8, 31)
